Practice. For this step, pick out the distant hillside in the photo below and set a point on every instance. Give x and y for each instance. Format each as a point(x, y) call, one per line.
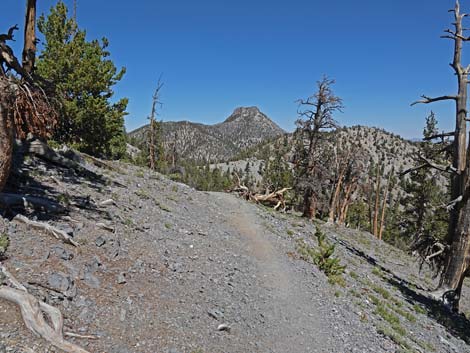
point(245, 128)
point(376, 144)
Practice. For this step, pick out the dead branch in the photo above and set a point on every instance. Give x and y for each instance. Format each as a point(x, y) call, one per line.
point(9, 35)
point(427, 100)
point(450, 206)
point(26, 201)
point(108, 202)
point(57, 233)
point(85, 337)
point(441, 135)
point(429, 164)
point(441, 248)
point(40, 318)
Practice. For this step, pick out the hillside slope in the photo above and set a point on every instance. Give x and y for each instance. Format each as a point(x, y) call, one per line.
point(171, 264)
point(246, 127)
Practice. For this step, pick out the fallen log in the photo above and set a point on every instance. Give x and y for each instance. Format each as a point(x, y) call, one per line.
point(16, 200)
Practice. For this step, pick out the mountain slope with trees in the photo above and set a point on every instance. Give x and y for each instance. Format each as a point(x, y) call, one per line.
point(245, 127)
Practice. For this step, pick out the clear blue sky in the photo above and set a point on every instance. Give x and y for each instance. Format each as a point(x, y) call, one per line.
point(216, 55)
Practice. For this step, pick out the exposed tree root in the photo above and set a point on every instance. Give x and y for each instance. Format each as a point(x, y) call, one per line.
point(57, 233)
point(37, 315)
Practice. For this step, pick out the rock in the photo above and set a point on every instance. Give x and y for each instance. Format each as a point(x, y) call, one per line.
point(62, 253)
point(215, 314)
point(176, 267)
point(60, 281)
point(87, 275)
point(223, 327)
point(121, 278)
point(100, 241)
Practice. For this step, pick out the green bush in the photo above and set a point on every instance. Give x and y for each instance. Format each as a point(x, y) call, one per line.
point(323, 257)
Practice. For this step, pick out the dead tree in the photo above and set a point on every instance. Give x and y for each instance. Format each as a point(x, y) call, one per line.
point(152, 134)
point(378, 180)
point(384, 207)
point(29, 49)
point(315, 119)
point(457, 257)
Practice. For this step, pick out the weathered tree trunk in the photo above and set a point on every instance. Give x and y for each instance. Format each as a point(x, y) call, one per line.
point(377, 202)
point(309, 206)
point(384, 207)
point(29, 49)
point(458, 257)
point(6, 133)
point(344, 207)
point(153, 115)
point(334, 199)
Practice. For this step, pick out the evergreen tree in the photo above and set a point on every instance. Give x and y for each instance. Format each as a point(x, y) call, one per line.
point(83, 76)
point(425, 218)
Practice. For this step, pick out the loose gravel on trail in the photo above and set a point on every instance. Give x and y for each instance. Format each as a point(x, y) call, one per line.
point(168, 269)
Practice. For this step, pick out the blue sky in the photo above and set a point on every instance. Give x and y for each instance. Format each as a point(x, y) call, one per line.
point(216, 55)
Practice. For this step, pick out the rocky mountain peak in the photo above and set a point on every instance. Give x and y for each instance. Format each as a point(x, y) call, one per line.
point(246, 113)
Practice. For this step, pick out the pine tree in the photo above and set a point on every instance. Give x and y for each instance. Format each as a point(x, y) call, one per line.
point(83, 76)
point(425, 217)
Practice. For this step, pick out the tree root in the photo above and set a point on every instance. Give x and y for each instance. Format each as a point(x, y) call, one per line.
point(57, 233)
point(37, 315)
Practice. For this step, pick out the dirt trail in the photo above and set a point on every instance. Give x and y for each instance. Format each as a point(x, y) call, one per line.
point(295, 324)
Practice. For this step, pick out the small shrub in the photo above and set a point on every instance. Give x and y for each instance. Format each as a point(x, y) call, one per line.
point(323, 257)
point(4, 243)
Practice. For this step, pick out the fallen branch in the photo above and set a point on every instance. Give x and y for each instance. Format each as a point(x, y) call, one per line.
point(40, 318)
point(15, 200)
point(57, 233)
point(85, 337)
point(108, 202)
point(42, 150)
point(441, 248)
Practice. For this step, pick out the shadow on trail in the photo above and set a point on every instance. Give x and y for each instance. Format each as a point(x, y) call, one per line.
point(456, 324)
point(44, 201)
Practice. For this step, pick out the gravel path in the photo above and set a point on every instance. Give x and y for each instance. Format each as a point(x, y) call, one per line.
point(179, 263)
point(295, 323)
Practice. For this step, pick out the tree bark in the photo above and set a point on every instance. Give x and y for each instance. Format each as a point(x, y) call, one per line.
point(384, 206)
point(309, 207)
point(6, 133)
point(29, 49)
point(377, 202)
point(458, 257)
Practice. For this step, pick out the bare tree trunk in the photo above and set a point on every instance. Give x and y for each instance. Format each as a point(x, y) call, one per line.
point(29, 49)
point(377, 201)
point(334, 198)
point(384, 207)
point(458, 258)
point(344, 207)
point(6, 134)
point(155, 102)
point(309, 207)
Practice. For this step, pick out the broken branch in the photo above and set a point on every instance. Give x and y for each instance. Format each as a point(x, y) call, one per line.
point(427, 100)
point(57, 233)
